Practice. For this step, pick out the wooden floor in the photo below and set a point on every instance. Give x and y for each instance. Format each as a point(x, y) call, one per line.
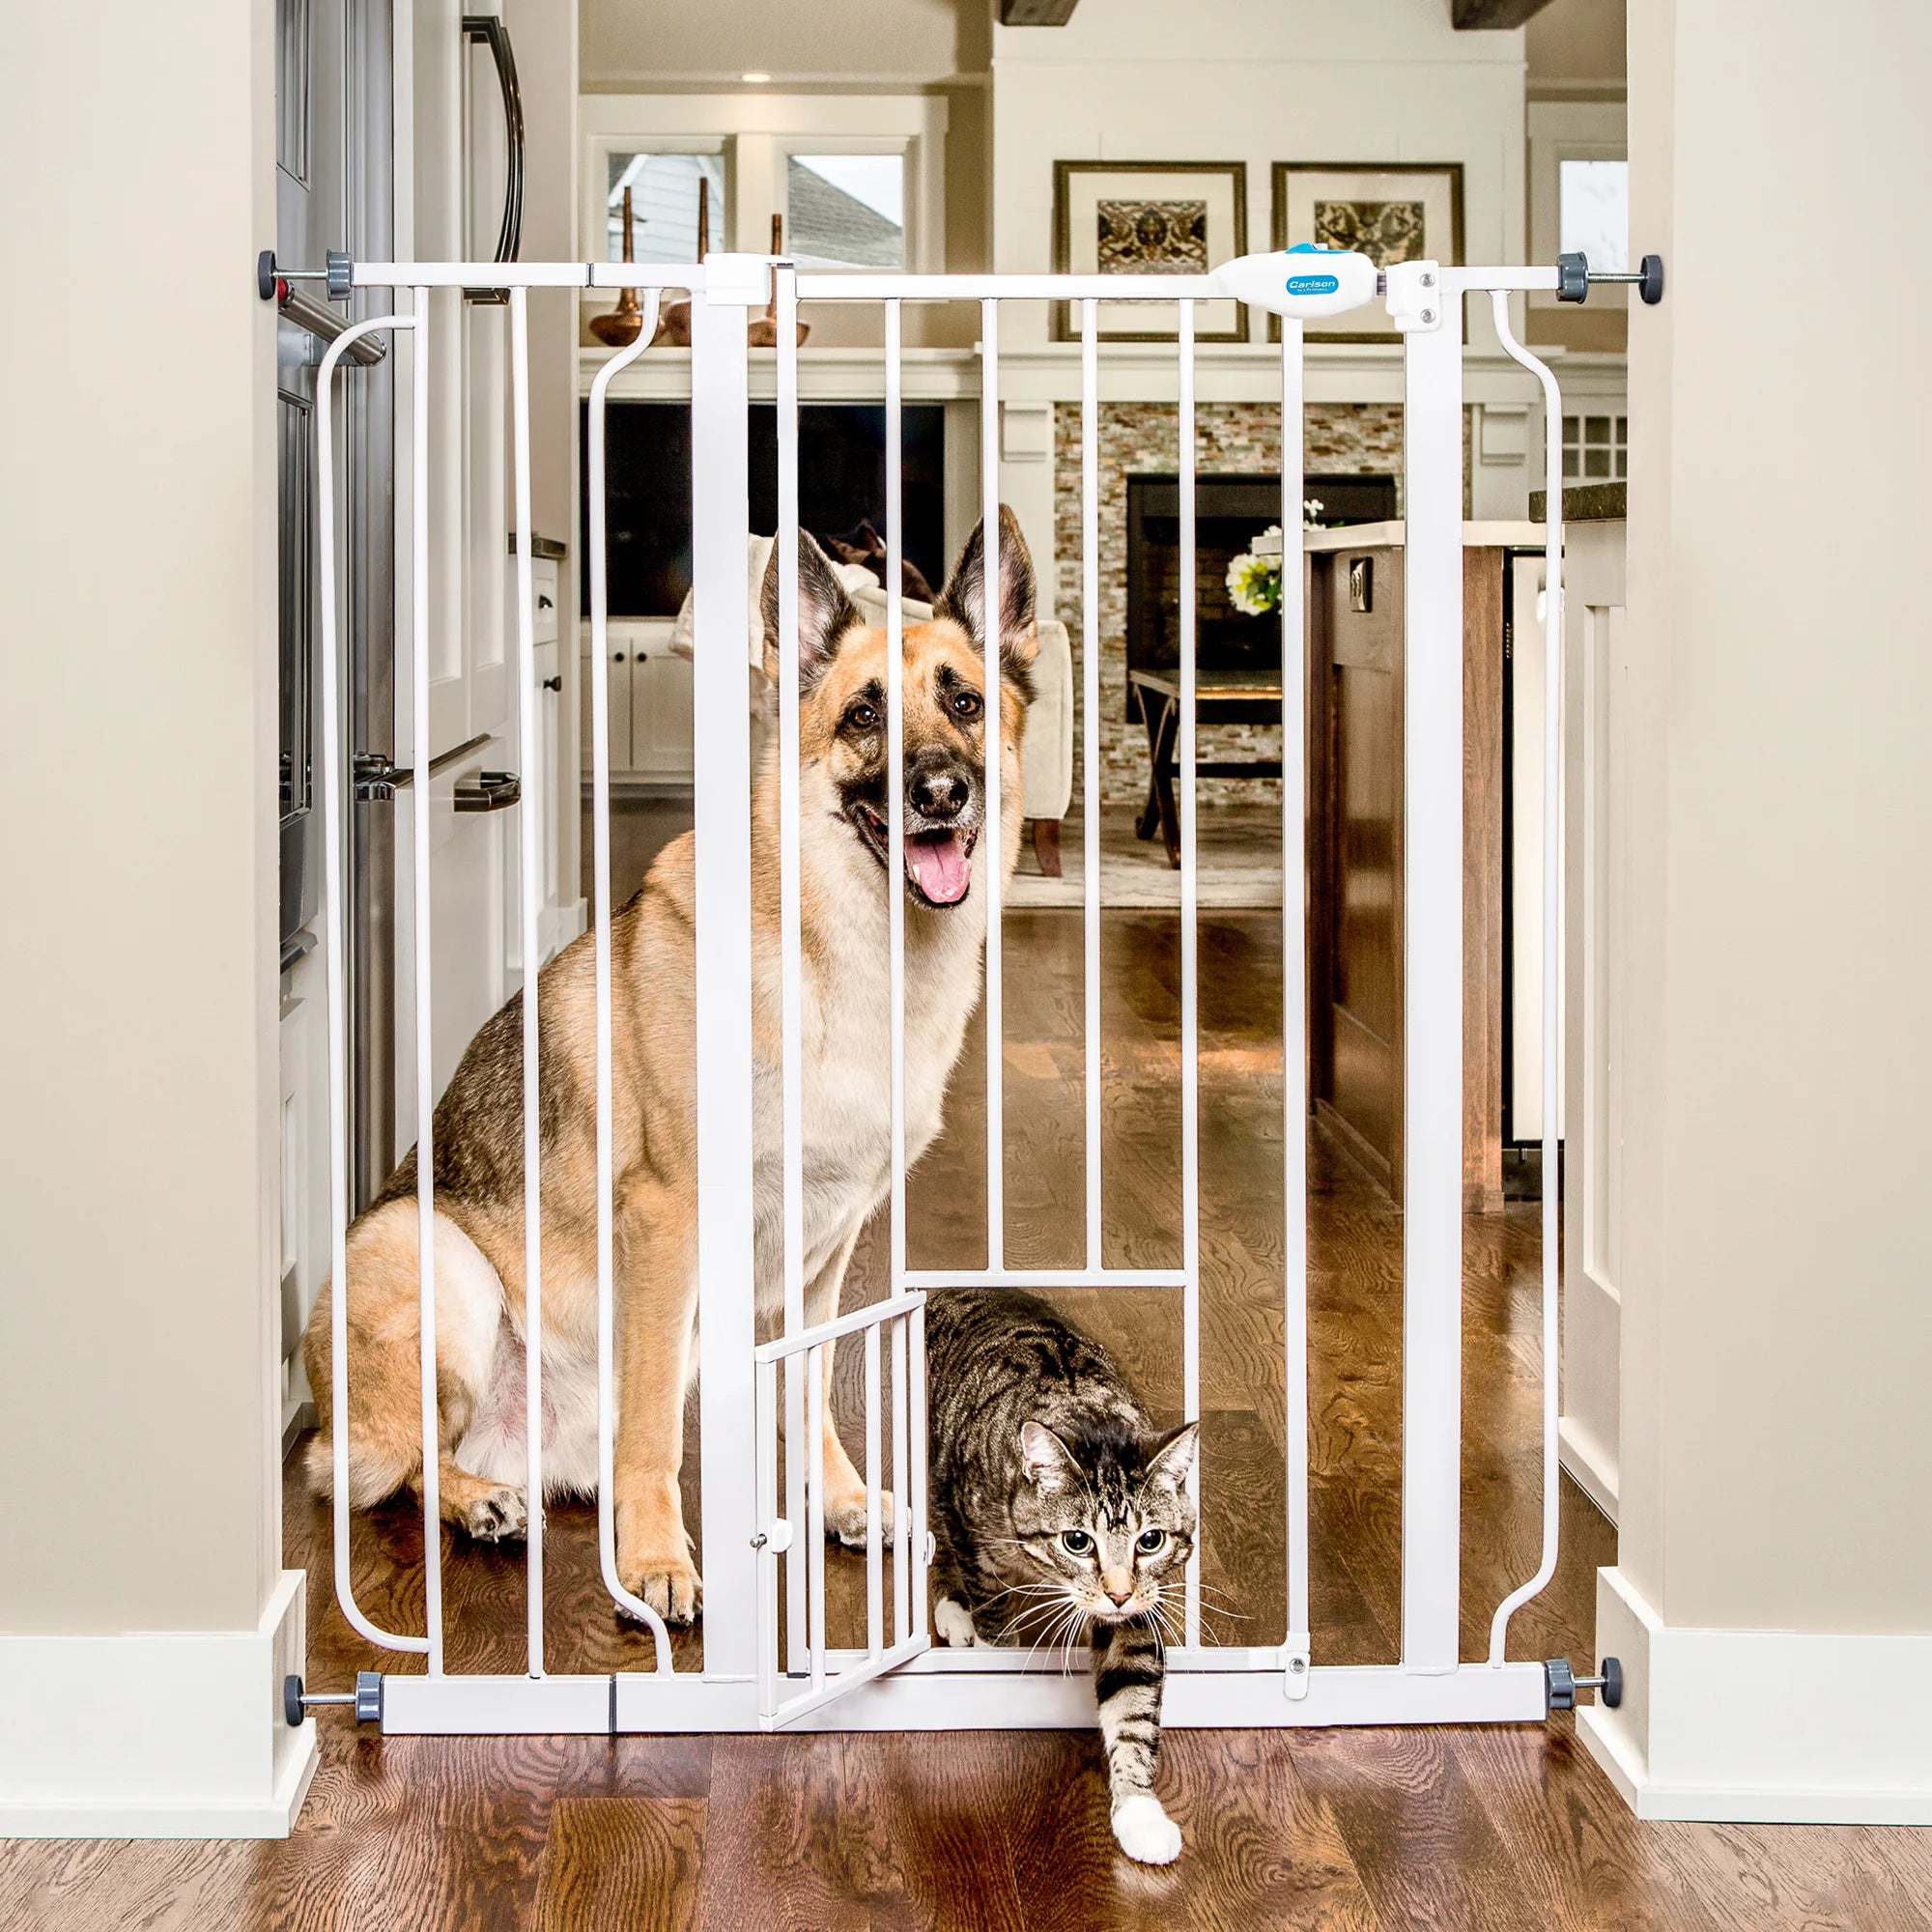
point(1456, 1829)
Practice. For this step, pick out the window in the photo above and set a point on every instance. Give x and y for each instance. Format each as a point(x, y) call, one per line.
point(846, 210)
point(664, 203)
point(1593, 213)
point(1596, 449)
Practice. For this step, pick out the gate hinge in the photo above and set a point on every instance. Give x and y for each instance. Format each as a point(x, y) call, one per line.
point(1296, 1668)
point(1415, 296)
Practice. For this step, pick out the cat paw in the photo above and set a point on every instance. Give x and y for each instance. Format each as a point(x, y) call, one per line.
point(1143, 1830)
point(499, 1514)
point(952, 1622)
point(845, 1518)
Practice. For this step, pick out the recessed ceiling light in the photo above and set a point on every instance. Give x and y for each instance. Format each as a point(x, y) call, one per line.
point(755, 79)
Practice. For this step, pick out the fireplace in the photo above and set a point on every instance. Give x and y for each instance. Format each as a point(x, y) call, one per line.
point(1228, 513)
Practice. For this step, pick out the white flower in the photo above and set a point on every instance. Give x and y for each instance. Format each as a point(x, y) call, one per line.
point(1253, 584)
point(1310, 513)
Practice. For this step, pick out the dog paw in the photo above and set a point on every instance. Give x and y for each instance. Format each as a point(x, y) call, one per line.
point(845, 1518)
point(952, 1622)
point(1145, 1831)
point(498, 1516)
point(669, 1584)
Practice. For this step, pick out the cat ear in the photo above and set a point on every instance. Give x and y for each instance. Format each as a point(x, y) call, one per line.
point(1174, 1454)
point(1043, 1453)
point(825, 613)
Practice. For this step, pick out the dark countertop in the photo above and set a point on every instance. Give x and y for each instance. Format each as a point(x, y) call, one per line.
point(1584, 504)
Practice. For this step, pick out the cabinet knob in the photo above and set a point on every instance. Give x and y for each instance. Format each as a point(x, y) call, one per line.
point(616, 657)
point(554, 683)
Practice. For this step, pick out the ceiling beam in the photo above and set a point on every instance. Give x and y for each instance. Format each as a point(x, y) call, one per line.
point(1471, 14)
point(1035, 13)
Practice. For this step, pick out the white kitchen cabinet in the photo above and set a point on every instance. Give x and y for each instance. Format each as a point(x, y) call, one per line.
point(650, 706)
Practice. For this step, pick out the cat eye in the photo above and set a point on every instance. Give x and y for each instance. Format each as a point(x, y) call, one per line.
point(1150, 1540)
point(1076, 1542)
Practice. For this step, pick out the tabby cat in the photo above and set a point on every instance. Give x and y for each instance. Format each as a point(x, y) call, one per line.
point(1056, 1509)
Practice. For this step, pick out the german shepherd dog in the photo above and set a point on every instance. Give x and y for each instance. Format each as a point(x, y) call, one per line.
point(480, 1341)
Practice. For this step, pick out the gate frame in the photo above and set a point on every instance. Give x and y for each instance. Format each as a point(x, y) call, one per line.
point(736, 1690)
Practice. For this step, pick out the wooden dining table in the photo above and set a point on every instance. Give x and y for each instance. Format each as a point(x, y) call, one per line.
point(1220, 697)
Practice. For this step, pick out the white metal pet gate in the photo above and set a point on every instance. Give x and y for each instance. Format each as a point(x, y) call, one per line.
point(753, 1509)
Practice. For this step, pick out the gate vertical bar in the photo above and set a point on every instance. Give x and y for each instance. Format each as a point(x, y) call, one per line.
point(989, 528)
point(875, 1566)
point(785, 295)
point(529, 883)
point(336, 965)
point(721, 798)
point(598, 534)
point(1432, 1449)
point(1090, 789)
point(419, 572)
point(1191, 1056)
point(1295, 1003)
point(1552, 778)
point(895, 784)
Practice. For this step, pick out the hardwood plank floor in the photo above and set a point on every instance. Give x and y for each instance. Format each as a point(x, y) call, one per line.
point(1371, 1829)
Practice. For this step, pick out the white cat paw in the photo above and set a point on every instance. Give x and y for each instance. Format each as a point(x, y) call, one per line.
point(1145, 1831)
point(954, 1622)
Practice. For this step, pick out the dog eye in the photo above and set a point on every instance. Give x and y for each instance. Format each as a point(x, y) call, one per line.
point(967, 704)
point(1150, 1540)
point(861, 718)
point(1076, 1542)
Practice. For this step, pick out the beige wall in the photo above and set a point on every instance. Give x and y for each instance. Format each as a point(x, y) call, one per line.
point(1576, 48)
point(137, 789)
point(1776, 1438)
point(632, 44)
point(1226, 80)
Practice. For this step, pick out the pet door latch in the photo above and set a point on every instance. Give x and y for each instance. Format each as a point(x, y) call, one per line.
point(366, 1699)
point(1561, 1684)
point(775, 1539)
point(1296, 1669)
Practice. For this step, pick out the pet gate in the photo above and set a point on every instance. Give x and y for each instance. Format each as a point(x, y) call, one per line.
point(767, 1659)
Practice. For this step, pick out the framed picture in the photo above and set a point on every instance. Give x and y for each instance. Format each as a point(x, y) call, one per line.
point(1150, 219)
point(1388, 210)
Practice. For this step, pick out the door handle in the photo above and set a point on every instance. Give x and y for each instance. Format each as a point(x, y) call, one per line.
point(554, 683)
point(487, 29)
point(489, 791)
point(377, 776)
point(545, 603)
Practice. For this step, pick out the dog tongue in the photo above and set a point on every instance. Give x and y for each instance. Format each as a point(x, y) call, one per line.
point(938, 862)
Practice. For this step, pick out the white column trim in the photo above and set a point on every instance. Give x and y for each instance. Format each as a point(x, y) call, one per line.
point(1762, 1726)
point(155, 1734)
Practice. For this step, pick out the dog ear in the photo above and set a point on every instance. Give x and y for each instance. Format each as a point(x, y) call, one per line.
point(964, 600)
point(825, 613)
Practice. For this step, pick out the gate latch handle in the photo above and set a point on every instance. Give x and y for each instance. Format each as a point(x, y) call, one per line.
point(775, 1539)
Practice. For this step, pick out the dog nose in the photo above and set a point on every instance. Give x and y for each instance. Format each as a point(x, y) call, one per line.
point(940, 794)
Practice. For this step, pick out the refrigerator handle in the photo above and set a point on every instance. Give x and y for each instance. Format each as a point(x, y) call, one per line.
point(489, 29)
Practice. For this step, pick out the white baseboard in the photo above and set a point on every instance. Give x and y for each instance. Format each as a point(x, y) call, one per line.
point(1761, 1726)
point(161, 1734)
point(1584, 1463)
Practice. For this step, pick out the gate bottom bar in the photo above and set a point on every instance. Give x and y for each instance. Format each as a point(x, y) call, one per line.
point(1020, 1277)
point(911, 1700)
